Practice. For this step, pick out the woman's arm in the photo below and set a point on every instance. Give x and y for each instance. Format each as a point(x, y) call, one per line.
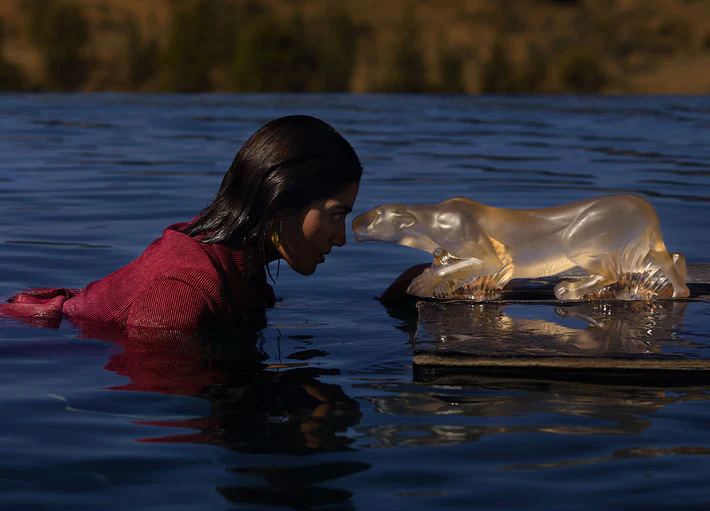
point(396, 293)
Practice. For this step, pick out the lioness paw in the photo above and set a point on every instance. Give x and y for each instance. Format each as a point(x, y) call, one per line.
point(423, 285)
point(564, 292)
point(417, 289)
point(681, 291)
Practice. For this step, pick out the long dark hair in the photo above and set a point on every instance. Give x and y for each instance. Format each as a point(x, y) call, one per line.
point(287, 165)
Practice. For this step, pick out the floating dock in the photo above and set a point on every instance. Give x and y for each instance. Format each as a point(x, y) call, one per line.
point(527, 333)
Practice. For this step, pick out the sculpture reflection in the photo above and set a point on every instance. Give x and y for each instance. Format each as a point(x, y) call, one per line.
point(617, 455)
point(610, 329)
point(432, 415)
point(628, 342)
point(431, 412)
point(478, 249)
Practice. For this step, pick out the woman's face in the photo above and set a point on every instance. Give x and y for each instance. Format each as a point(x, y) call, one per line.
point(307, 237)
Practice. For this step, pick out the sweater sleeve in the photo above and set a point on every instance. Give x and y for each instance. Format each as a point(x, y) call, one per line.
point(171, 303)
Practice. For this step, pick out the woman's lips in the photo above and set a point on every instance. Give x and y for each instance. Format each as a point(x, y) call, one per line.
point(322, 256)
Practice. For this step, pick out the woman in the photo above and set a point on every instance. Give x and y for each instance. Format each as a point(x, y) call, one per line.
point(286, 195)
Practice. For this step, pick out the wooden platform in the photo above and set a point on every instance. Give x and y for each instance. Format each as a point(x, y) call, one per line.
point(528, 333)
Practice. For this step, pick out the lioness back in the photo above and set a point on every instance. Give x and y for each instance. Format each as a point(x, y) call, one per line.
point(516, 227)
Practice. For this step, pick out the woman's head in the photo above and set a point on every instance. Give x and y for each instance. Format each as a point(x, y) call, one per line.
point(285, 169)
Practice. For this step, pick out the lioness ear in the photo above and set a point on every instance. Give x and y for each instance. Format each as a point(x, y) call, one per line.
point(406, 220)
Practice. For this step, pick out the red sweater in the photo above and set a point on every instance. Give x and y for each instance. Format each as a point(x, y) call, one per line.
point(177, 283)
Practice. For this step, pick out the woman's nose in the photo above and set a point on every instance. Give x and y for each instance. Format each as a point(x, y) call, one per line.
point(338, 239)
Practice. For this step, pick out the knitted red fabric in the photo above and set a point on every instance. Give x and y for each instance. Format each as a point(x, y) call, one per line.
point(177, 283)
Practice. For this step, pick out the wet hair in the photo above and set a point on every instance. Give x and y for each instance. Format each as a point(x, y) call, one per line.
point(289, 164)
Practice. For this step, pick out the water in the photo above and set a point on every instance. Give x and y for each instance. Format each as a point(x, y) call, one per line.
point(326, 411)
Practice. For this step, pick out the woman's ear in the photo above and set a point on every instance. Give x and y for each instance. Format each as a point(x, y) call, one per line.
point(274, 231)
point(274, 221)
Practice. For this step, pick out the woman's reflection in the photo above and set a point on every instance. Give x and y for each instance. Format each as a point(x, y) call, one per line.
point(255, 407)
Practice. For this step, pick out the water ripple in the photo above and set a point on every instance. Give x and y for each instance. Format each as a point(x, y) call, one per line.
point(474, 156)
point(74, 124)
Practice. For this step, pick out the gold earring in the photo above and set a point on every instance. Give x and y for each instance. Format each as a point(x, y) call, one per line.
point(276, 236)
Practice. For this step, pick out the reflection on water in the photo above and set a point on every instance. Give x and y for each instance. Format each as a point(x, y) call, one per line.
point(295, 487)
point(502, 405)
point(262, 408)
point(458, 406)
point(255, 407)
point(621, 454)
point(602, 329)
point(282, 411)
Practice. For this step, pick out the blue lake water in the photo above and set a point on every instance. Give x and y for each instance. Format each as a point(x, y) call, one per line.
point(325, 411)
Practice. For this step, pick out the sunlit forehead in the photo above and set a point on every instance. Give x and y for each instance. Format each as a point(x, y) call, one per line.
point(344, 201)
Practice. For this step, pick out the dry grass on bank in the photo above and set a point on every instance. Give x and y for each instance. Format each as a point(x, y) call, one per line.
point(502, 46)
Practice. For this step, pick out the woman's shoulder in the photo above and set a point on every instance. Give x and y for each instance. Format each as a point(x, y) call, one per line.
point(178, 248)
point(176, 251)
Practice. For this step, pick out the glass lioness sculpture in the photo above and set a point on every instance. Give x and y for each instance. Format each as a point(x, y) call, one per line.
point(477, 248)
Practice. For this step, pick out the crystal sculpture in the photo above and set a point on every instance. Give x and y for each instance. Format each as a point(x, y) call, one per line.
point(478, 249)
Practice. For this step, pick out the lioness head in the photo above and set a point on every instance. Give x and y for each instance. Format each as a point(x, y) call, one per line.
point(384, 223)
